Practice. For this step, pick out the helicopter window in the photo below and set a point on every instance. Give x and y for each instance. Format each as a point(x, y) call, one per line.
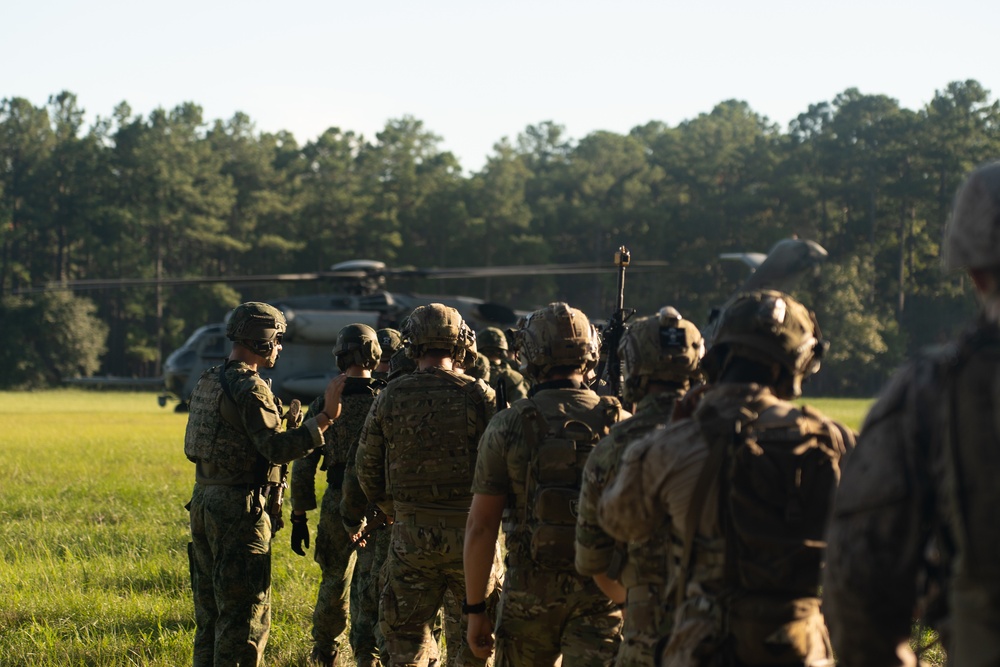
point(214, 347)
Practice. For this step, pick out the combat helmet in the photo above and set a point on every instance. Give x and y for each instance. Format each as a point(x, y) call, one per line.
point(972, 235)
point(433, 327)
point(357, 344)
point(256, 326)
point(768, 327)
point(663, 347)
point(556, 336)
point(390, 341)
point(492, 342)
point(467, 351)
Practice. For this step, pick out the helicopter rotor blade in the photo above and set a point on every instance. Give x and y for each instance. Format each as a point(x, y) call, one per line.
point(519, 270)
point(364, 273)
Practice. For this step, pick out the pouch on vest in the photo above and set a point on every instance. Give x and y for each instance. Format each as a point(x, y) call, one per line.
point(559, 451)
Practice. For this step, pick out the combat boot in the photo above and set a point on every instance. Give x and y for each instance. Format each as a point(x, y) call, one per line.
point(320, 658)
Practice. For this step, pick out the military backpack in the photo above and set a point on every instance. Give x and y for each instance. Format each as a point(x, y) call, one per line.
point(558, 448)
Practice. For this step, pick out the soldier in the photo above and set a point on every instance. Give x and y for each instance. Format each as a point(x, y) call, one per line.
point(660, 356)
point(747, 482)
point(357, 353)
point(236, 439)
point(391, 342)
point(507, 382)
point(367, 640)
point(917, 508)
point(528, 473)
point(415, 460)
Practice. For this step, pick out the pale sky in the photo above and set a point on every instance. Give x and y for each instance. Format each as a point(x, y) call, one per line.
point(475, 72)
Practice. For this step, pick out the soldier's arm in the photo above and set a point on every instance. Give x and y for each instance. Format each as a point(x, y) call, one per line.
point(490, 397)
point(370, 459)
point(262, 420)
point(303, 483)
point(633, 505)
point(353, 501)
point(876, 539)
point(594, 547)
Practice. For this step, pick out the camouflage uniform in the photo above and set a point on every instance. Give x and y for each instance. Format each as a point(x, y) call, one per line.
point(515, 385)
point(420, 475)
point(504, 376)
point(747, 482)
point(230, 551)
point(660, 355)
point(657, 479)
point(642, 567)
point(916, 512)
point(333, 547)
point(367, 640)
point(543, 613)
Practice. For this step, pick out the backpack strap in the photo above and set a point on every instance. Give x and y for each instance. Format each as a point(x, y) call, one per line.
point(719, 434)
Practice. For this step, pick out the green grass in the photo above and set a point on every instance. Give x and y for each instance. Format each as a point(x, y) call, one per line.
point(848, 411)
point(93, 537)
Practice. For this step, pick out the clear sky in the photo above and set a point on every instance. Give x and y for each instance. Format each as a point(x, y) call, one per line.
point(475, 72)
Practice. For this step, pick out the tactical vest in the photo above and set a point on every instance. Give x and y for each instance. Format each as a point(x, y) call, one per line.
point(212, 435)
point(776, 482)
point(434, 423)
point(342, 435)
point(971, 497)
point(558, 450)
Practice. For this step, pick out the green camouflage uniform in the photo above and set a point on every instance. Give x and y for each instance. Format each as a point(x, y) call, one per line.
point(367, 640)
point(918, 503)
point(543, 613)
point(642, 567)
point(515, 385)
point(234, 445)
point(333, 547)
point(415, 459)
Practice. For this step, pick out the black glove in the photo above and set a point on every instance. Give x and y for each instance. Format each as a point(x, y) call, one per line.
point(300, 533)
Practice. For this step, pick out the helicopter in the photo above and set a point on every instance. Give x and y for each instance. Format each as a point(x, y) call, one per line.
point(306, 364)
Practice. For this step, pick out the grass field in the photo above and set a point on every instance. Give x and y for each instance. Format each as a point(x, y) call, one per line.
point(93, 535)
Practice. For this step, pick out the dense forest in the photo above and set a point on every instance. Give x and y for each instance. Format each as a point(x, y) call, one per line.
point(174, 195)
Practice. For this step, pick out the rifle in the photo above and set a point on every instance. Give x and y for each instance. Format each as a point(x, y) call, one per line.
point(276, 495)
point(615, 329)
point(376, 520)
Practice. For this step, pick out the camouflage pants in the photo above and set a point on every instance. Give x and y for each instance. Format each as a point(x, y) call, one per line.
point(424, 561)
point(336, 561)
point(647, 621)
point(230, 561)
point(545, 614)
point(367, 640)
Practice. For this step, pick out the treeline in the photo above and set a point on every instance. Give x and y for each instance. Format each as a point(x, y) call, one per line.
point(174, 195)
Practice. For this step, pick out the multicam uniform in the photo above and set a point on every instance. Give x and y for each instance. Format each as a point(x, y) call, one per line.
point(658, 478)
point(333, 548)
point(544, 612)
point(415, 459)
point(642, 567)
point(919, 498)
point(922, 481)
point(234, 444)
